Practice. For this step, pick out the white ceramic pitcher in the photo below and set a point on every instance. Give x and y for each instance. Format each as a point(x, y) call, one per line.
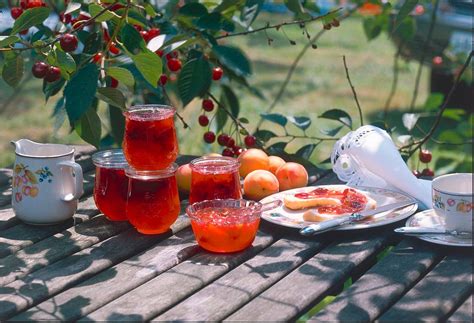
point(47, 183)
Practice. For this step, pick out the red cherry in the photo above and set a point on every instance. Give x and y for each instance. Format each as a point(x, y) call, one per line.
point(24, 32)
point(172, 55)
point(437, 60)
point(53, 74)
point(116, 7)
point(113, 82)
point(425, 156)
point(106, 35)
point(231, 143)
point(39, 69)
point(217, 73)
point(65, 18)
point(222, 139)
point(327, 26)
point(416, 173)
point(159, 52)
point(209, 137)
point(144, 35)
point(98, 57)
point(237, 150)
point(34, 3)
point(153, 32)
point(419, 9)
point(24, 4)
point(174, 64)
point(68, 42)
point(250, 141)
point(207, 105)
point(138, 27)
point(227, 152)
point(427, 172)
point(203, 120)
point(16, 12)
point(163, 79)
point(113, 49)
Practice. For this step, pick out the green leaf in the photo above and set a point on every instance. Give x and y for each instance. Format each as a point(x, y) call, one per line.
point(12, 71)
point(230, 101)
point(264, 135)
point(150, 10)
point(30, 18)
point(71, 7)
point(434, 101)
point(450, 135)
point(95, 9)
point(134, 17)
point(117, 124)
point(275, 118)
point(373, 26)
point(210, 21)
point(234, 59)
point(306, 151)
point(59, 115)
point(65, 62)
point(221, 119)
point(407, 28)
point(404, 11)
point(51, 89)
point(89, 128)
point(277, 148)
point(454, 114)
point(228, 5)
point(8, 40)
point(301, 122)
point(123, 75)
point(132, 40)
point(92, 45)
point(194, 79)
point(296, 7)
point(111, 96)
point(150, 66)
point(193, 9)
point(244, 120)
point(330, 132)
point(80, 92)
point(338, 115)
point(250, 11)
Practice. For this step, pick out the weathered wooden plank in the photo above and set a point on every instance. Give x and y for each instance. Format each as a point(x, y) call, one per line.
point(464, 312)
point(437, 294)
point(7, 218)
point(22, 235)
point(56, 247)
point(47, 282)
point(310, 282)
point(228, 293)
point(115, 281)
point(383, 284)
point(162, 292)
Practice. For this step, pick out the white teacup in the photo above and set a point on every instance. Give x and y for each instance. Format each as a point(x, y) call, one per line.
point(452, 199)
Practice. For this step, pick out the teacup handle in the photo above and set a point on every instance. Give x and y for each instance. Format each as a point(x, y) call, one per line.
point(78, 179)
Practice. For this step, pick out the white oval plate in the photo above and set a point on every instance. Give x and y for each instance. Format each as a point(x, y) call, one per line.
point(294, 219)
point(429, 219)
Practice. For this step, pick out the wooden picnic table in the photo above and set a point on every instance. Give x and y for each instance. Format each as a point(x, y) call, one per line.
point(89, 268)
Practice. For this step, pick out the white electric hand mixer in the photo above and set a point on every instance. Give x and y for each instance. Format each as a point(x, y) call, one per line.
point(368, 157)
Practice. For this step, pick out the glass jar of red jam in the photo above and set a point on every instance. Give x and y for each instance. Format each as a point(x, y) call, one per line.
point(150, 140)
point(153, 201)
point(111, 183)
point(214, 178)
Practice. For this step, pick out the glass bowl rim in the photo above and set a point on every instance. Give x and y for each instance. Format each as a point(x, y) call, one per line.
point(110, 158)
point(232, 164)
point(255, 207)
point(167, 110)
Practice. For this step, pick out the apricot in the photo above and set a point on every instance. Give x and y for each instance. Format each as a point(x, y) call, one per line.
point(259, 184)
point(292, 175)
point(275, 163)
point(183, 178)
point(253, 159)
point(34, 191)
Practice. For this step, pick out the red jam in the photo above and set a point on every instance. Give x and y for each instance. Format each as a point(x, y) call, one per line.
point(153, 201)
point(111, 184)
point(150, 140)
point(351, 200)
point(214, 178)
point(224, 229)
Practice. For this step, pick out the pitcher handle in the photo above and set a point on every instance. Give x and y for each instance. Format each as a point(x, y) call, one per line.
point(78, 179)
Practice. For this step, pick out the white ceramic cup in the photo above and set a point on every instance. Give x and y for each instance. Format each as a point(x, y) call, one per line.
point(452, 199)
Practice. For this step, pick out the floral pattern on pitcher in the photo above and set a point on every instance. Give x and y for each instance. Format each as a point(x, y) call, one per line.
point(437, 202)
point(25, 182)
point(460, 205)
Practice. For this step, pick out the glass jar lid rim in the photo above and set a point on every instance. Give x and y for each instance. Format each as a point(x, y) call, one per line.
point(149, 174)
point(112, 158)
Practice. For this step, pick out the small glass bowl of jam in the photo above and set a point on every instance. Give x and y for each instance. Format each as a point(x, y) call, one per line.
point(111, 183)
point(228, 225)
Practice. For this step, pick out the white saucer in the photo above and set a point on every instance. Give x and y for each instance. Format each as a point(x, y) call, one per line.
point(429, 219)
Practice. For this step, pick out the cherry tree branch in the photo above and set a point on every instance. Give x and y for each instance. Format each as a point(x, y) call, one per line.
point(353, 91)
point(278, 26)
point(393, 89)
point(417, 144)
point(221, 106)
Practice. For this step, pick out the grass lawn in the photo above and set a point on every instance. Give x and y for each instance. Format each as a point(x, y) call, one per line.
point(318, 84)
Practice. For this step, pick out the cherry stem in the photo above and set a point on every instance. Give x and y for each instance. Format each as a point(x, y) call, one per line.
point(353, 90)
